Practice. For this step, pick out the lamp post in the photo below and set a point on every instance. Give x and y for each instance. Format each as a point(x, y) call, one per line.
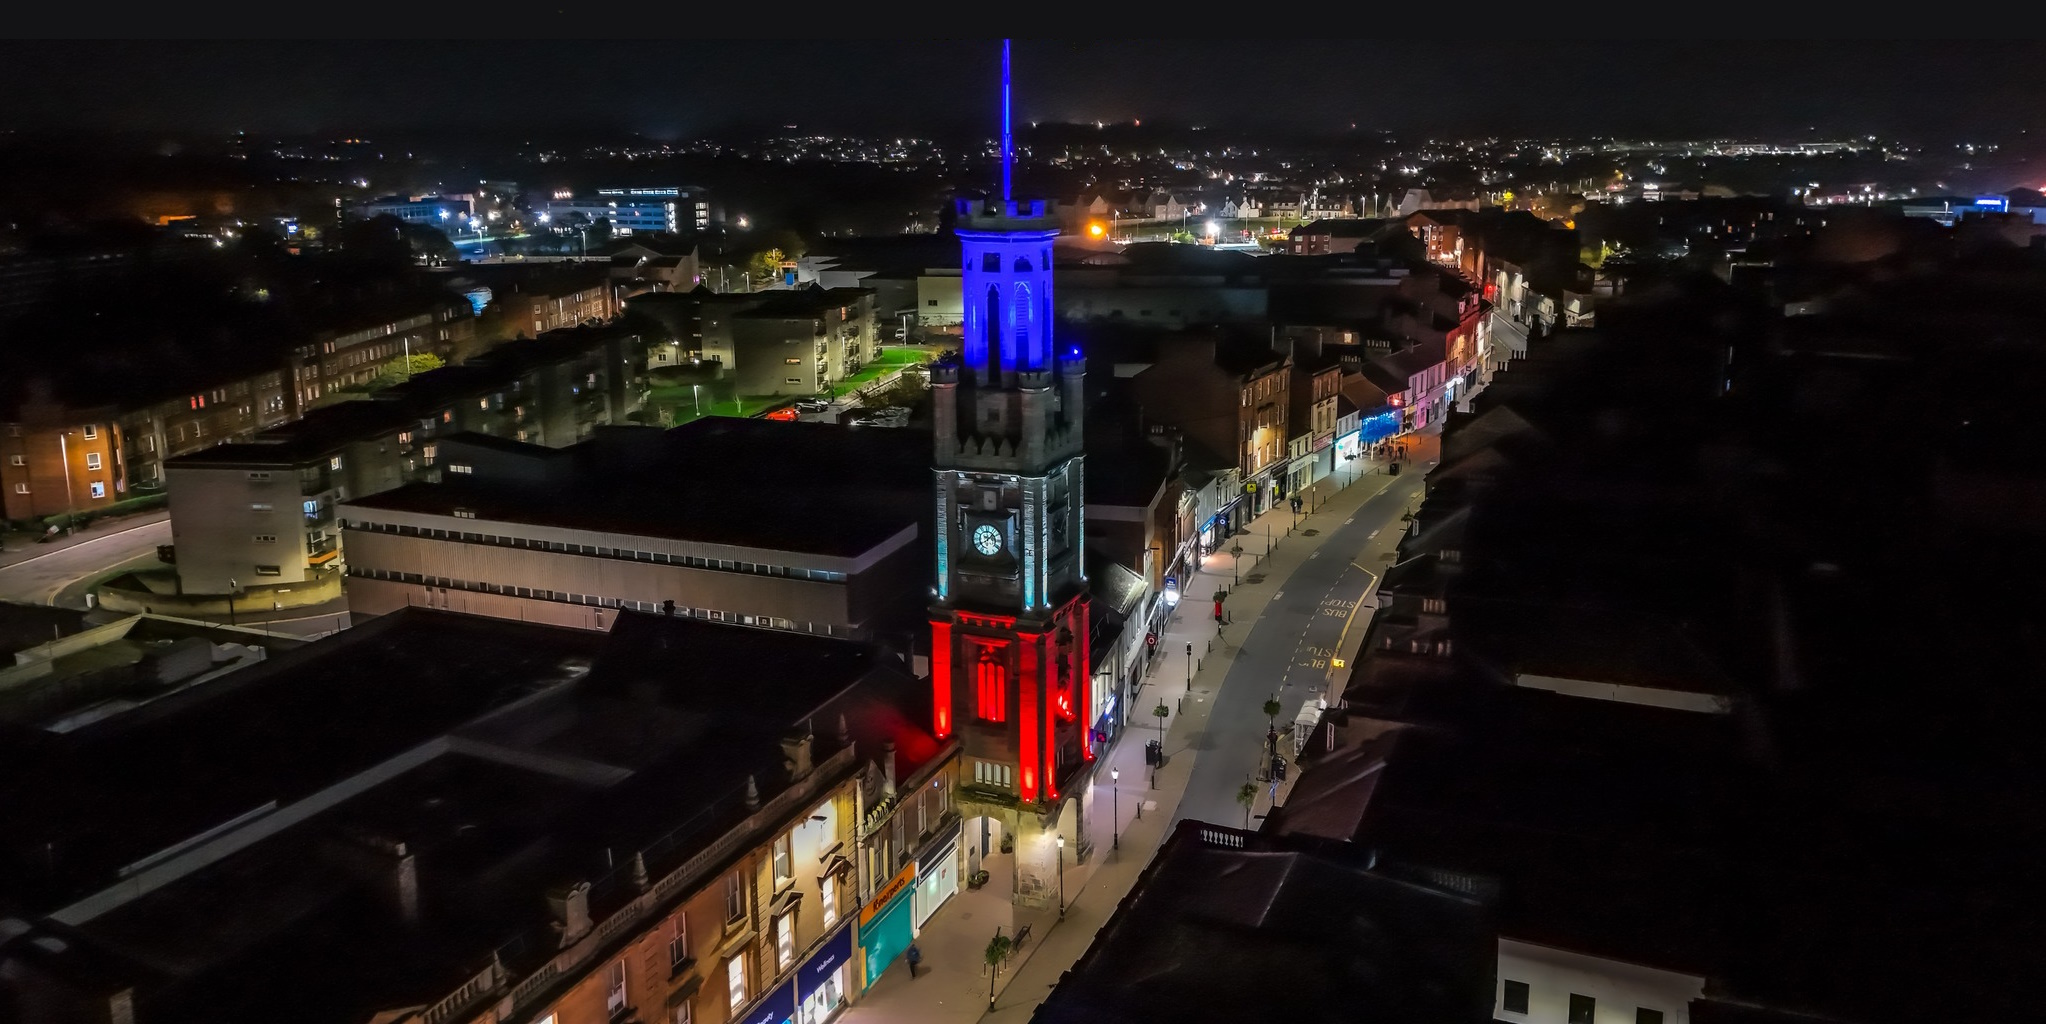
point(64, 456)
point(1189, 677)
point(696, 392)
point(1114, 808)
point(1062, 875)
point(233, 585)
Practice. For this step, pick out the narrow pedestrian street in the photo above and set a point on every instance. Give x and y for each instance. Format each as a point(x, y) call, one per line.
point(1296, 598)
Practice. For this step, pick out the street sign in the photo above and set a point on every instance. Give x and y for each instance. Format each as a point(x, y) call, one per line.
point(1150, 639)
point(1172, 583)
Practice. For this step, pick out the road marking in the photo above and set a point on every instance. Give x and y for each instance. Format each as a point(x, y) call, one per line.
point(1276, 594)
point(1314, 554)
point(1350, 520)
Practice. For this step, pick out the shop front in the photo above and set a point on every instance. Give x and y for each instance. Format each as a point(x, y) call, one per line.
point(885, 923)
point(779, 1007)
point(937, 879)
point(822, 981)
point(1349, 446)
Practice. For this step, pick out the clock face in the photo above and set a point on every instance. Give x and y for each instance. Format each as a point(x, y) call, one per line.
point(986, 539)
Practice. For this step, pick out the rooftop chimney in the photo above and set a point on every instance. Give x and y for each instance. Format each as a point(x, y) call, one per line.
point(888, 769)
point(795, 754)
point(571, 907)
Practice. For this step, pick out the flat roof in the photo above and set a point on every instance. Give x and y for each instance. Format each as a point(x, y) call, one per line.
point(129, 786)
point(816, 488)
point(532, 791)
point(1227, 927)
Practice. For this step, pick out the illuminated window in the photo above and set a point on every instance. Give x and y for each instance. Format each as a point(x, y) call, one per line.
point(785, 941)
point(991, 691)
point(735, 979)
point(827, 899)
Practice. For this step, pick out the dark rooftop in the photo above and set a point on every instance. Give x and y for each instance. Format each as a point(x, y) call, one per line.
point(1226, 927)
point(106, 795)
point(723, 480)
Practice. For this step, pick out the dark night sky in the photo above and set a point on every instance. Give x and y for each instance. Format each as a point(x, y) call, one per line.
point(1444, 83)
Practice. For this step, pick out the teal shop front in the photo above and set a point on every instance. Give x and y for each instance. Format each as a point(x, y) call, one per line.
point(885, 923)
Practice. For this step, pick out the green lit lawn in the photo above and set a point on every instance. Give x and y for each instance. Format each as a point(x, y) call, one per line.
point(890, 361)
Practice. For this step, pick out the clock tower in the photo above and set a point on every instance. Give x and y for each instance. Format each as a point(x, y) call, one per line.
point(1009, 607)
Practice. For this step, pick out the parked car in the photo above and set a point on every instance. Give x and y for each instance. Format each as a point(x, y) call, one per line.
point(812, 404)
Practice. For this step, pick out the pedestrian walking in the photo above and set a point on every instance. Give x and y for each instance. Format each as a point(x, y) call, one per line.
point(915, 957)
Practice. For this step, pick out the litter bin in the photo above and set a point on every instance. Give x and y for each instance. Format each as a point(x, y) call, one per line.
point(1392, 469)
point(1154, 753)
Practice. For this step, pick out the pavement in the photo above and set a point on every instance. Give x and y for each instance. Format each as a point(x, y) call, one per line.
point(52, 571)
point(1354, 514)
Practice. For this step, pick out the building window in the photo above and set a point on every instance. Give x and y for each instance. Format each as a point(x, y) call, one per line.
point(735, 897)
point(1644, 1015)
point(785, 941)
point(991, 696)
point(784, 863)
point(17, 460)
point(678, 941)
point(1514, 998)
point(614, 994)
point(1581, 1009)
point(265, 538)
point(92, 432)
point(99, 490)
point(269, 570)
point(682, 1014)
point(92, 460)
point(21, 488)
point(827, 899)
point(988, 773)
point(735, 979)
point(460, 467)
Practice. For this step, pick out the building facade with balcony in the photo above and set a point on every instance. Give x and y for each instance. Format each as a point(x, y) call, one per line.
point(261, 512)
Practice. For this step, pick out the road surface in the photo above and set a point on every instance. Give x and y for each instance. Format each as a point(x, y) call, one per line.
point(46, 573)
point(1286, 651)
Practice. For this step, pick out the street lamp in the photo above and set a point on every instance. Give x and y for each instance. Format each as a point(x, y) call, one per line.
point(64, 456)
point(1189, 677)
point(696, 392)
point(233, 585)
point(1062, 875)
point(1114, 808)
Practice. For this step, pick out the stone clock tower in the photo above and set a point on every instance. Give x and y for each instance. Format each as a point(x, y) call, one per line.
point(1009, 608)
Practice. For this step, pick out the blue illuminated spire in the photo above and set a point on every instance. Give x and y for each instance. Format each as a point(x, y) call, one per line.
point(1008, 140)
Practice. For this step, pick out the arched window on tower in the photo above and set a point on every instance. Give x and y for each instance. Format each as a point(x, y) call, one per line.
point(993, 321)
point(990, 686)
point(1025, 355)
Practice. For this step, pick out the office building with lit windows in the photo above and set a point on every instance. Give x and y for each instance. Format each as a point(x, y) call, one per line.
point(804, 527)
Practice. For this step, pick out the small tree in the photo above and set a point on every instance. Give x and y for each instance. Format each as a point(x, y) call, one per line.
point(1272, 709)
point(1247, 795)
point(1161, 711)
point(997, 951)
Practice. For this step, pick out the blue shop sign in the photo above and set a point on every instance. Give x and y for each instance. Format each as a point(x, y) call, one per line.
point(836, 953)
point(778, 1008)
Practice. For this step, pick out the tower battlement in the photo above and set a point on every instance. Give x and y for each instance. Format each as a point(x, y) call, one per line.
point(1007, 215)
